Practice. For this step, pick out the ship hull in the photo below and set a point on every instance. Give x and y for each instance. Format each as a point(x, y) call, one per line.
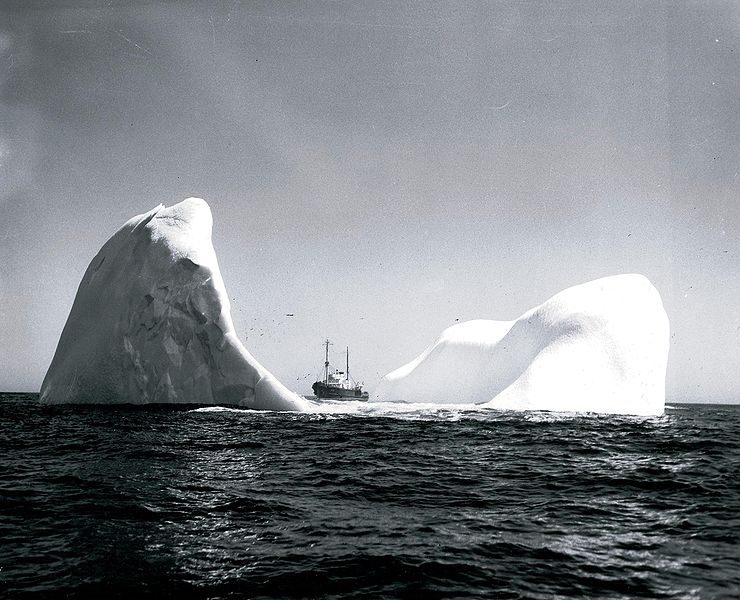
point(331, 392)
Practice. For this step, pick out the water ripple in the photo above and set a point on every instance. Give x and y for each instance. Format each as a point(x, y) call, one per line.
point(363, 500)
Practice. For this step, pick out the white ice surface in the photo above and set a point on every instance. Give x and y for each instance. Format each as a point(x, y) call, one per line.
point(597, 347)
point(151, 323)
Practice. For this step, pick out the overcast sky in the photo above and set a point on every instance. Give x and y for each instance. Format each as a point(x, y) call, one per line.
point(379, 169)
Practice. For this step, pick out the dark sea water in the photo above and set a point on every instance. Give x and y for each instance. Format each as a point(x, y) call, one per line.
point(367, 501)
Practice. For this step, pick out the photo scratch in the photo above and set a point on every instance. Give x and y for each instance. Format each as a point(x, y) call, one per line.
point(133, 43)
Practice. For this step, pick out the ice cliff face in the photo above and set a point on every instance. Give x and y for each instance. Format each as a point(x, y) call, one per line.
point(151, 323)
point(597, 347)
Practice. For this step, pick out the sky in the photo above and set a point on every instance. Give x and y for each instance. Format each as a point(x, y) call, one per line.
point(379, 169)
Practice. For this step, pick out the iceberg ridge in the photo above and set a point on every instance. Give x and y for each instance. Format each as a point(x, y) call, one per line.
point(601, 346)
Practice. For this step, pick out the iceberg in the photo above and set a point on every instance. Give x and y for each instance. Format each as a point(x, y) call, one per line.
point(597, 347)
point(151, 323)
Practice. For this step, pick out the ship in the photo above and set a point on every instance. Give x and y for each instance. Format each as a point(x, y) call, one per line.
point(337, 385)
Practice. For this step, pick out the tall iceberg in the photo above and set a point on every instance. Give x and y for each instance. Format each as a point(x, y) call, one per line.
point(597, 347)
point(151, 323)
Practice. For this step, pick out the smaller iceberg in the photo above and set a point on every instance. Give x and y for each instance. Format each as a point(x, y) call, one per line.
point(151, 323)
point(597, 347)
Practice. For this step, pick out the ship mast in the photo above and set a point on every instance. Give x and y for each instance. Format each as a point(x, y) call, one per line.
point(347, 363)
point(326, 364)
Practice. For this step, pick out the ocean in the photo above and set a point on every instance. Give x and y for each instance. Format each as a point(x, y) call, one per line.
point(363, 500)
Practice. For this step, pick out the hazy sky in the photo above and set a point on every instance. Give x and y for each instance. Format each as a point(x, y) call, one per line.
point(379, 169)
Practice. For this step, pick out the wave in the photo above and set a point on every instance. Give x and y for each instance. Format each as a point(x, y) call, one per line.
point(424, 411)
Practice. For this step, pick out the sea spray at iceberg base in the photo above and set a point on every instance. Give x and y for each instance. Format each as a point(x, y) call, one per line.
point(151, 323)
point(597, 347)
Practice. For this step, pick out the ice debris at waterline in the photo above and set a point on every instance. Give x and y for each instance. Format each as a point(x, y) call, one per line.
point(151, 323)
point(597, 347)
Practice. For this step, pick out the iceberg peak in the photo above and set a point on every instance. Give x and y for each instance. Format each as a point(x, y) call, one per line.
point(151, 323)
